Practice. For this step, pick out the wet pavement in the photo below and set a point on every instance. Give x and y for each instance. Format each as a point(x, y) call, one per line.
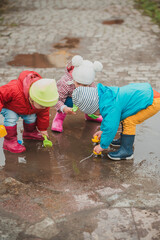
point(48, 193)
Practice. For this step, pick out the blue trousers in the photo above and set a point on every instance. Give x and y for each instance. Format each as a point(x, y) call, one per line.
point(69, 102)
point(11, 118)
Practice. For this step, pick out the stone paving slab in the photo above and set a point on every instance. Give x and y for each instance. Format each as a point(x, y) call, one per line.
point(106, 200)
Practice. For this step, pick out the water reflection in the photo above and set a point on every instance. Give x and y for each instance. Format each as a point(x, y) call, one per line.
point(113, 21)
point(31, 166)
point(61, 163)
point(57, 59)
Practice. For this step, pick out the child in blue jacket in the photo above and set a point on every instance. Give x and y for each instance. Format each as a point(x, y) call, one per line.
point(130, 105)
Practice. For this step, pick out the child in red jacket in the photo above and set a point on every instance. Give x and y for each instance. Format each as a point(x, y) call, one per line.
point(28, 97)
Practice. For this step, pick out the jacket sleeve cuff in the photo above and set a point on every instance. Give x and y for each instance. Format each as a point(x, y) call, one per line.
point(103, 146)
point(62, 107)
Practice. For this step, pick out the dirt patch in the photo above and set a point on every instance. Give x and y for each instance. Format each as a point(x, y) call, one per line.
point(58, 58)
point(3, 8)
point(113, 21)
point(3, 3)
point(67, 43)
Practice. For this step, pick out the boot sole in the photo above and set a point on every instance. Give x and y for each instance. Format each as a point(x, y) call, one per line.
point(118, 159)
point(33, 138)
point(13, 151)
point(92, 120)
point(56, 130)
point(114, 145)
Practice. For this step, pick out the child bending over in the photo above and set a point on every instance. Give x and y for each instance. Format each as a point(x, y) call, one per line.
point(130, 104)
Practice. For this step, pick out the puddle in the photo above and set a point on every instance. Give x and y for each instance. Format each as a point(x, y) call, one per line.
point(62, 162)
point(67, 43)
point(57, 59)
point(113, 21)
point(52, 180)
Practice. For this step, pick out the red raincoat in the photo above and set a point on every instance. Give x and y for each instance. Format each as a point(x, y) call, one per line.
point(15, 96)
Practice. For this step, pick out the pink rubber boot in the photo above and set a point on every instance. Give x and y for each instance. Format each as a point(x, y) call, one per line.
point(99, 119)
point(30, 132)
point(57, 124)
point(10, 141)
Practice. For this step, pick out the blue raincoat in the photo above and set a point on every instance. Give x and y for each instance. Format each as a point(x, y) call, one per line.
point(118, 103)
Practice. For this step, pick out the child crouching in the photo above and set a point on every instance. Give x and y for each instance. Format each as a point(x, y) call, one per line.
point(78, 73)
point(29, 97)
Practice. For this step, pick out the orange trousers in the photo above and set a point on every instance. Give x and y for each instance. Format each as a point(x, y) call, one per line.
point(129, 124)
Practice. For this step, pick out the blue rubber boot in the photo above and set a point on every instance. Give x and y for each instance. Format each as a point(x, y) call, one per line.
point(116, 142)
point(126, 149)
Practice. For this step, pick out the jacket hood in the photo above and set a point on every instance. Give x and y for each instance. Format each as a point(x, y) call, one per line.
point(68, 73)
point(107, 96)
point(26, 78)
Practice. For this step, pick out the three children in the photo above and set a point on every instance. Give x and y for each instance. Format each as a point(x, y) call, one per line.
point(30, 97)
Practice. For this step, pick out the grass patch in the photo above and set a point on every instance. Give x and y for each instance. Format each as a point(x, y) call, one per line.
point(150, 8)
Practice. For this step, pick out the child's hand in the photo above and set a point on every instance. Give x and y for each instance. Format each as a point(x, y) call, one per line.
point(68, 110)
point(44, 133)
point(98, 134)
point(98, 149)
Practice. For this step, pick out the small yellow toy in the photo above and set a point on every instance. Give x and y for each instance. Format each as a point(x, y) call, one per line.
point(97, 154)
point(3, 131)
point(95, 139)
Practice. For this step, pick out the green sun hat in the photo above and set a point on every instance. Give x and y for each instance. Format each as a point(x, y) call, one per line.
point(44, 92)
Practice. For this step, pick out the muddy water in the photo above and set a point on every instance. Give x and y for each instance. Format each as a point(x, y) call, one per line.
point(58, 58)
point(113, 21)
point(61, 163)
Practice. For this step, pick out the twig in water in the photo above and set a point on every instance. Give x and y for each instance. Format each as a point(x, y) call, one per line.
point(87, 157)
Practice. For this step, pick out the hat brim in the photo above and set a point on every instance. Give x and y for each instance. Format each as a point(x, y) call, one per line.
point(43, 103)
